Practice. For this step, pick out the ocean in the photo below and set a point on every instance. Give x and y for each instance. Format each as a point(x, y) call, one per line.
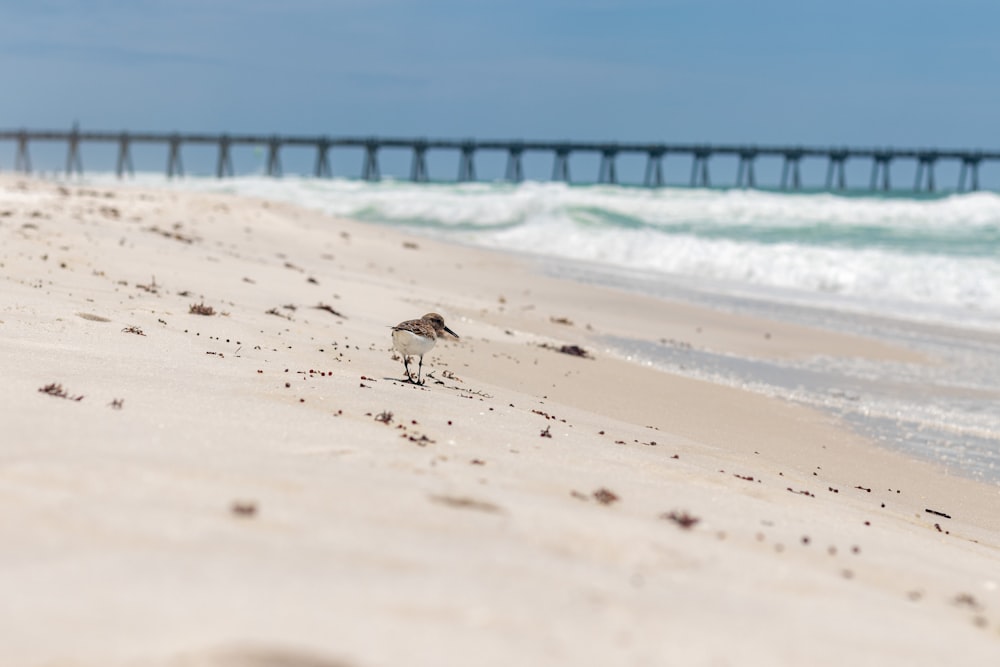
point(922, 270)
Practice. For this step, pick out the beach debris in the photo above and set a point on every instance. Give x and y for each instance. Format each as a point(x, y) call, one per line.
point(966, 600)
point(152, 287)
point(117, 403)
point(55, 389)
point(133, 330)
point(801, 493)
point(605, 496)
point(546, 433)
point(174, 235)
point(201, 309)
point(92, 318)
point(277, 313)
point(245, 509)
point(384, 417)
point(936, 513)
point(561, 320)
point(681, 518)
point(329, 309)
point(572, 350)
point(410, 245)
point(465, 503)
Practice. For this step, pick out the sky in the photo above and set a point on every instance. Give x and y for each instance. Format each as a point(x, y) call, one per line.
point(840, 72)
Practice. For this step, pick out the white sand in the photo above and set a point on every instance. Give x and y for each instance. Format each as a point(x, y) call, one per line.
point(454, 533)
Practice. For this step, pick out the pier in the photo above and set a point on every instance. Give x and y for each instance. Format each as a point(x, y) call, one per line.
point(699, 156)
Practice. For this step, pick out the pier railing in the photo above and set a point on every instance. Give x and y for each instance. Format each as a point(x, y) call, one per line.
point(881, 159)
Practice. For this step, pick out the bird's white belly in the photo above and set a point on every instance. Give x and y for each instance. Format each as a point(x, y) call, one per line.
point(411, 344)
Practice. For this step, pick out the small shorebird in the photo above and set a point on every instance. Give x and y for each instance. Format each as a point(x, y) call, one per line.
point(416, 338)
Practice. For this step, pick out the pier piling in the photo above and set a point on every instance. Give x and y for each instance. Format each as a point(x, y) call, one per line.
point(969, 164)
point(560, 169)
point(744, 172)
point(418, 167)
point(791, 164)
point(224, 167)
point(73, 162)
point(467, 164)
point(837, 159)
point(322, 161)
point(514, 172)
point(174, 165)
point(654, 168)
point(22, 162)
point(606, 172)
point(699, 167)
point(124, 157)
point(369, 170)
point(273, 156)
point(880, 165)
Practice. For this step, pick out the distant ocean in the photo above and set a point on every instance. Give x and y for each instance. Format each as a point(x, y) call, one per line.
point(923, 270)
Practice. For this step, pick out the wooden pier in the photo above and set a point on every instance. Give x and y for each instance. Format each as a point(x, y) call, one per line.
point(700, 155)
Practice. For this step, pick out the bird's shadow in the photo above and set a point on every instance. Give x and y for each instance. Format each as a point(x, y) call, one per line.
point(405, 380)
point(428, 376)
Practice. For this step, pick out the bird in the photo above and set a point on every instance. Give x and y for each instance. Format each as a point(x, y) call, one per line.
point(416, 338)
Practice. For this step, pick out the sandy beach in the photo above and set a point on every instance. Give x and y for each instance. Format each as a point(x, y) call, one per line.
point(210, 456)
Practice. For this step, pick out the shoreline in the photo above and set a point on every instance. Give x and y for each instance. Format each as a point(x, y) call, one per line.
point(244, 498)
point(887, 390)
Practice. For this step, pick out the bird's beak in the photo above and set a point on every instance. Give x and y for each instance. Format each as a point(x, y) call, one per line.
point(451, 332)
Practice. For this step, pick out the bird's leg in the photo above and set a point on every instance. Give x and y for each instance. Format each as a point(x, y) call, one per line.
point(406, 365)
point(420, 368)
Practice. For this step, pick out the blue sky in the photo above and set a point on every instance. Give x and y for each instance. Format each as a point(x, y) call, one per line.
point(866, 72)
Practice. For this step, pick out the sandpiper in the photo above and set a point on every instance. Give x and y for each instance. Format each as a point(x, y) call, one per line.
point(416, 338)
